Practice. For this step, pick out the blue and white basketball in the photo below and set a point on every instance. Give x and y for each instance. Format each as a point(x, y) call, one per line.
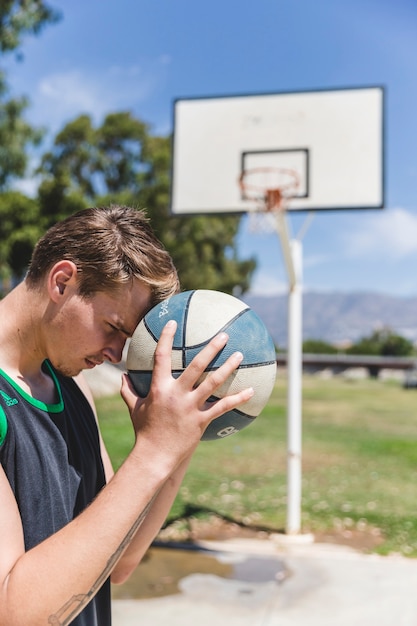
point(200, 315)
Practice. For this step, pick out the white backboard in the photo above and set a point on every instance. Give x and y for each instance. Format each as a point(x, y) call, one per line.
point(332, 139)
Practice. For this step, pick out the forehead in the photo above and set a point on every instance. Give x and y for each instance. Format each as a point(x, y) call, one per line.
point(126, 306)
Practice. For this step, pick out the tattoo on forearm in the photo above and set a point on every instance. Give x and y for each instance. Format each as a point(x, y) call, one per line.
point(76, 603)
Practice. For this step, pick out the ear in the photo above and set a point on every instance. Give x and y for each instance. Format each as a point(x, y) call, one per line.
point(62, 276)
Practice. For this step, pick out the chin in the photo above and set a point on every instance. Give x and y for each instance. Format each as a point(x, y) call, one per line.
point(67, 370)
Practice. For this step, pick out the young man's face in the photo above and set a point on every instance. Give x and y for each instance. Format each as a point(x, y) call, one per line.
point(85, 332)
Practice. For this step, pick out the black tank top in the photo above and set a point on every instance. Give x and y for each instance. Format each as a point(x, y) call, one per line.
point(51, 456)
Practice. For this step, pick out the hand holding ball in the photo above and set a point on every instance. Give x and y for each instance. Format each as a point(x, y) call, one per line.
point(200, 315)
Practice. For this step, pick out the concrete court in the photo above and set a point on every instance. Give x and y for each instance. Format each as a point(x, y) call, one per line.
point(315, 585)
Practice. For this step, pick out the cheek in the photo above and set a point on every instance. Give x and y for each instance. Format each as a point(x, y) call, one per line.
point(76, 324)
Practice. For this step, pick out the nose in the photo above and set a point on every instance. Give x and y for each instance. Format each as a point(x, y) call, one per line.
point(114, 352)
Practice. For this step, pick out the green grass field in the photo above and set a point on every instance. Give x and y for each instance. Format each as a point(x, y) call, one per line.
point(359, 463)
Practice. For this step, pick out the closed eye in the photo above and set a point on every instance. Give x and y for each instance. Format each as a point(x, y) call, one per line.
point(116, 329)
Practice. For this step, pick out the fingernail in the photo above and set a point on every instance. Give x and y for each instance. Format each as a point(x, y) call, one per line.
point(171, 323)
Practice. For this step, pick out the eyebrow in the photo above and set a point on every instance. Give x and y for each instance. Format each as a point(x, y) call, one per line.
point(117, 324)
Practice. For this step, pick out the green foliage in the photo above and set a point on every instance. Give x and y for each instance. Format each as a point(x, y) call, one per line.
point(56, 201)
point(67, 171)
point(120, 161)
point(71, 162)
point(20, 17)
point(19, 215)
point(15, 136)
point(17, 18)
point(383, 343)
point(204, 252)
point(316, 346)
point(19, 230)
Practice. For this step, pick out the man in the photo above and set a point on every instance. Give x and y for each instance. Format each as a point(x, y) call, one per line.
point(66, 522)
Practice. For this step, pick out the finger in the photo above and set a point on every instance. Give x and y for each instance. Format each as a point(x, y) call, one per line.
point(207, 385)
point(215, 409)
point(200, 362)
point(162, 356)
point(128, 393)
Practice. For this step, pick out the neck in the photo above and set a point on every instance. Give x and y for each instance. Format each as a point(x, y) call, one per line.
point(21, 346)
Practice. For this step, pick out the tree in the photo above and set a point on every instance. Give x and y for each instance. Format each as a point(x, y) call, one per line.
point(317, 346)
point(204, 251)
point(72, 158)
point(19, 217)
point(383, 342)
point(19, 230)
point(122, 162)
point(68, 172)
point(15, 136)
point(121, 159)
point(17, 18)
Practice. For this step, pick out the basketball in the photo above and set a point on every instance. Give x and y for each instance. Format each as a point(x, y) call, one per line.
point(200, 315)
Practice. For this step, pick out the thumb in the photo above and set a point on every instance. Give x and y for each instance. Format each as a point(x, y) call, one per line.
point(128, 393)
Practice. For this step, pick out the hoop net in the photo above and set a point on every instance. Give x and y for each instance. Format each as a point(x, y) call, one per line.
point(268, 191)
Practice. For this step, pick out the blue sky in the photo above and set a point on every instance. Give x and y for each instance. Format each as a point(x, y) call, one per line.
point(108, 55)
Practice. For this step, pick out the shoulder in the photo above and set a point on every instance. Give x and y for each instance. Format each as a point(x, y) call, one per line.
point(11, 537)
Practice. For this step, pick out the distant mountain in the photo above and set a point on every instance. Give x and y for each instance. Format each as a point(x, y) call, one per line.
point(339, 317)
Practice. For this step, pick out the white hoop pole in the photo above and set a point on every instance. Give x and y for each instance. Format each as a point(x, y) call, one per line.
point(294, 395)
point(283, 233)
point(292, 252)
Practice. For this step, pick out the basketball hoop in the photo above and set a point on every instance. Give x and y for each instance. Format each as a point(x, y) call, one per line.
point(268, 190)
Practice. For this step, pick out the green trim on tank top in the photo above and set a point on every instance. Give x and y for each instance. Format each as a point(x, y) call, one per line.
point(50, 408)
point(3, 426)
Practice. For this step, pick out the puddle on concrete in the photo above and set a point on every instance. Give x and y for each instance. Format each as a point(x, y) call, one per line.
point(163, 568)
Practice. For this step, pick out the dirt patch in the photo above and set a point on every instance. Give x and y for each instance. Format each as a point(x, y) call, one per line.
point(216, 528)
point(212, 528)
point(363, 541)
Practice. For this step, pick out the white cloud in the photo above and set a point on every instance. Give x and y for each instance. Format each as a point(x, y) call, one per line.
point(59, 97)
point(69, 92)
point(391, 233)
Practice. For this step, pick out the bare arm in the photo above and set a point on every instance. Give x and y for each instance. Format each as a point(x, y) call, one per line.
point(150, 526)
point(161, 504)
point(58, 577)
